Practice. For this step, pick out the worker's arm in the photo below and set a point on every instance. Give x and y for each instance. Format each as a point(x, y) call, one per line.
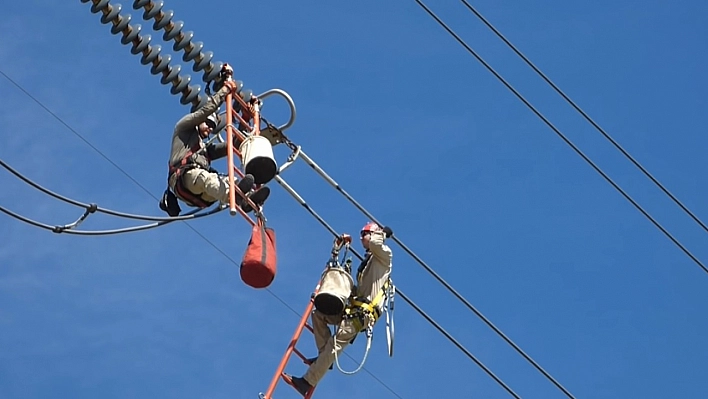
point(219, 150)
point(193, 119)
point(377, 247)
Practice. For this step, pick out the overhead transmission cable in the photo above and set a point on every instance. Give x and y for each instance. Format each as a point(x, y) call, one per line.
point(87, 206)
point(104, 156)
point(586, 116)
point(68, 229)
point(562, 136)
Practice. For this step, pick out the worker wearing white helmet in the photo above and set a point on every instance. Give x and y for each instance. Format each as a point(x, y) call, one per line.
point(191, 177)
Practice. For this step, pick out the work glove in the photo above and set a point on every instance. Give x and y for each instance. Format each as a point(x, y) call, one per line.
point(227, 70)
point(387, 232)
point(226, 73)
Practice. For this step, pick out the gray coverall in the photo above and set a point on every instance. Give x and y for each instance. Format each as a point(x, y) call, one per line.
point(200, 181)
point(373, 277)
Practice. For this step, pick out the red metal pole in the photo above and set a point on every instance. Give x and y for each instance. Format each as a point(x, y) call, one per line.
point(343, 240)
point(230, 154)
point(289, 350)
point(256, 118)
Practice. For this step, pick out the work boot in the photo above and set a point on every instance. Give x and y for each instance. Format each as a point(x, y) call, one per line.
point(300, 384)
point(258, 198)
point(312, 360)
point(245, 185)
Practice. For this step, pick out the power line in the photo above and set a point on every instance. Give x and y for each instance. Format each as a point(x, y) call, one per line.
point(586, 116)
point(68, 229)
point(562, 136)
point(93, 207)
point(22, 89)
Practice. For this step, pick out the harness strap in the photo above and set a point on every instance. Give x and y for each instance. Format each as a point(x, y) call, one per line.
point(180, 190)
point(184, 194)
point(358, 308)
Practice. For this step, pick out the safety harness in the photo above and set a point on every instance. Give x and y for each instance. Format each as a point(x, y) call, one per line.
point(181, 191)
point(360, 309)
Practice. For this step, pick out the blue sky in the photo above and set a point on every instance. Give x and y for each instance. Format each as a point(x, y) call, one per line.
point(424, 137)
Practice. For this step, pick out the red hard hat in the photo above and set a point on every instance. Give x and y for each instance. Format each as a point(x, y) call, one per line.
point(371, 226)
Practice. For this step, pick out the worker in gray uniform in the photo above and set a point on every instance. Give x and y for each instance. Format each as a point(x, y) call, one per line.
point(191, 177)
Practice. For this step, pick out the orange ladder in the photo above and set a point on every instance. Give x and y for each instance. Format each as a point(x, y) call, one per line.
point(342, 241)
point(249, 112)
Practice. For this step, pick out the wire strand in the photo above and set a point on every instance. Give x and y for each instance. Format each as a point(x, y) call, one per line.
point(88, 143)
point(97, 208)
point(586, 116)
point(563, 137)
point(65, 230)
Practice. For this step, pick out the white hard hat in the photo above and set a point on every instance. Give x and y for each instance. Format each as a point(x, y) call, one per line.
point(213, 120)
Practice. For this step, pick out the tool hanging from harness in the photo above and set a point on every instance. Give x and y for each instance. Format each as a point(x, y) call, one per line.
point(169, 202)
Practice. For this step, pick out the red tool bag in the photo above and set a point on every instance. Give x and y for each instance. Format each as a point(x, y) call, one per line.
point(259, 262)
